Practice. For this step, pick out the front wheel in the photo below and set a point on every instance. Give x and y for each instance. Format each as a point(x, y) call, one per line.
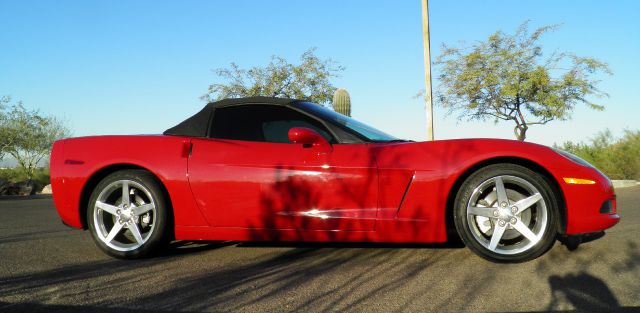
point(128, 214)
point(506, 213)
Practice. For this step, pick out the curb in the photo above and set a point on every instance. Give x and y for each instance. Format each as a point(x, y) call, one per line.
point(624, 183)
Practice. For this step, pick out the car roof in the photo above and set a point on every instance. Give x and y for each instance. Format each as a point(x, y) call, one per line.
point(198, 124)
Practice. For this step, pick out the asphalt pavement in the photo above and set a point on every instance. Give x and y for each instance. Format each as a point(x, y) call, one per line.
point(48, 267)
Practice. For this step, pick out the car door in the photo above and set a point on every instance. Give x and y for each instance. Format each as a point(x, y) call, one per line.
point(248, 174)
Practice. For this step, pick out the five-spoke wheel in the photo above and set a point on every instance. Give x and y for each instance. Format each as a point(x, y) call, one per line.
point(506, 212)
point(127, 214)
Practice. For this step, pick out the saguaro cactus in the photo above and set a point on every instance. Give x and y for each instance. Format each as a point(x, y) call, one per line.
point(342, 102)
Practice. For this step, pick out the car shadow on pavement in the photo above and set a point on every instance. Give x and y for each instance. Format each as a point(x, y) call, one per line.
point(279, 278)
point(265, 280)
point(356, 245)
point(274, 281)
point(585, 292)
point(177, 248)
point(33, 307)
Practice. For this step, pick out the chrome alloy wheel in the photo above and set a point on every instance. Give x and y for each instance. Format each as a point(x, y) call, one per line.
point(124, 215)
point(507, 215)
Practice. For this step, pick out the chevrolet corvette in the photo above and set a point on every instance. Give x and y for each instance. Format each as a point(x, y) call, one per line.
point(271, 169)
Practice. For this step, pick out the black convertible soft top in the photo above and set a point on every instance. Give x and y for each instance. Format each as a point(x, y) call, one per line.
point(198, 124)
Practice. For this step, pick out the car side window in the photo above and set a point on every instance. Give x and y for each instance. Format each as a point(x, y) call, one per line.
point(266, 123)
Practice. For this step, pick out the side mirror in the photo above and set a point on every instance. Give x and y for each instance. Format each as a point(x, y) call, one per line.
point(309, 138)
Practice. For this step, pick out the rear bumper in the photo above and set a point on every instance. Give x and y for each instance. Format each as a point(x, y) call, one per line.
point(61, 186)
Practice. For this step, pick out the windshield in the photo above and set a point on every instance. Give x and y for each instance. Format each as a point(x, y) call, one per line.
point(364, 130)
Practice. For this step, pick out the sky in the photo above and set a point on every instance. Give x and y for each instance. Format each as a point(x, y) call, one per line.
point(140, 67)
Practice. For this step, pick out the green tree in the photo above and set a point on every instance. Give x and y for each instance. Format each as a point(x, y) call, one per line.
point(508, 78)
point(32, 136)
point(6, 135)
point(309, 80)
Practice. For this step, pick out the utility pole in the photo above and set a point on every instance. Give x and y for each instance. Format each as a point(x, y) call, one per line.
point(427, 69)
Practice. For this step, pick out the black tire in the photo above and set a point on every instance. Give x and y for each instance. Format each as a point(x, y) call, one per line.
point(478, 220)
point(144, 189)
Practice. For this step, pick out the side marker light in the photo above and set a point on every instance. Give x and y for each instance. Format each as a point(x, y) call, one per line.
point(578, 181)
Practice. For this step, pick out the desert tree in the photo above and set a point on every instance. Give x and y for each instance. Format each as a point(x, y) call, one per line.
point(508, 77)
point(307, 80)
point(32, 135)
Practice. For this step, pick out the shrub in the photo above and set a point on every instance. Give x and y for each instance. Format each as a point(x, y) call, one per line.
point(617, 158)
point(14, 175)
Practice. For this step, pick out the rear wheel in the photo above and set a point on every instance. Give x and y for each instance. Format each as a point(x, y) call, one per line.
point(128, 214)
point(506, 213)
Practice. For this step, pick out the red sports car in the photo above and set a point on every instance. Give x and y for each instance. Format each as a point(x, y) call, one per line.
point(259, 168)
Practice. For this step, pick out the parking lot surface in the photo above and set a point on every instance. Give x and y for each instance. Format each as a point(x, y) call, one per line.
point(48, 267)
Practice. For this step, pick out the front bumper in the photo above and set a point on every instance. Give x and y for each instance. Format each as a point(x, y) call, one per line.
point(573, 241)
point(589, 208)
